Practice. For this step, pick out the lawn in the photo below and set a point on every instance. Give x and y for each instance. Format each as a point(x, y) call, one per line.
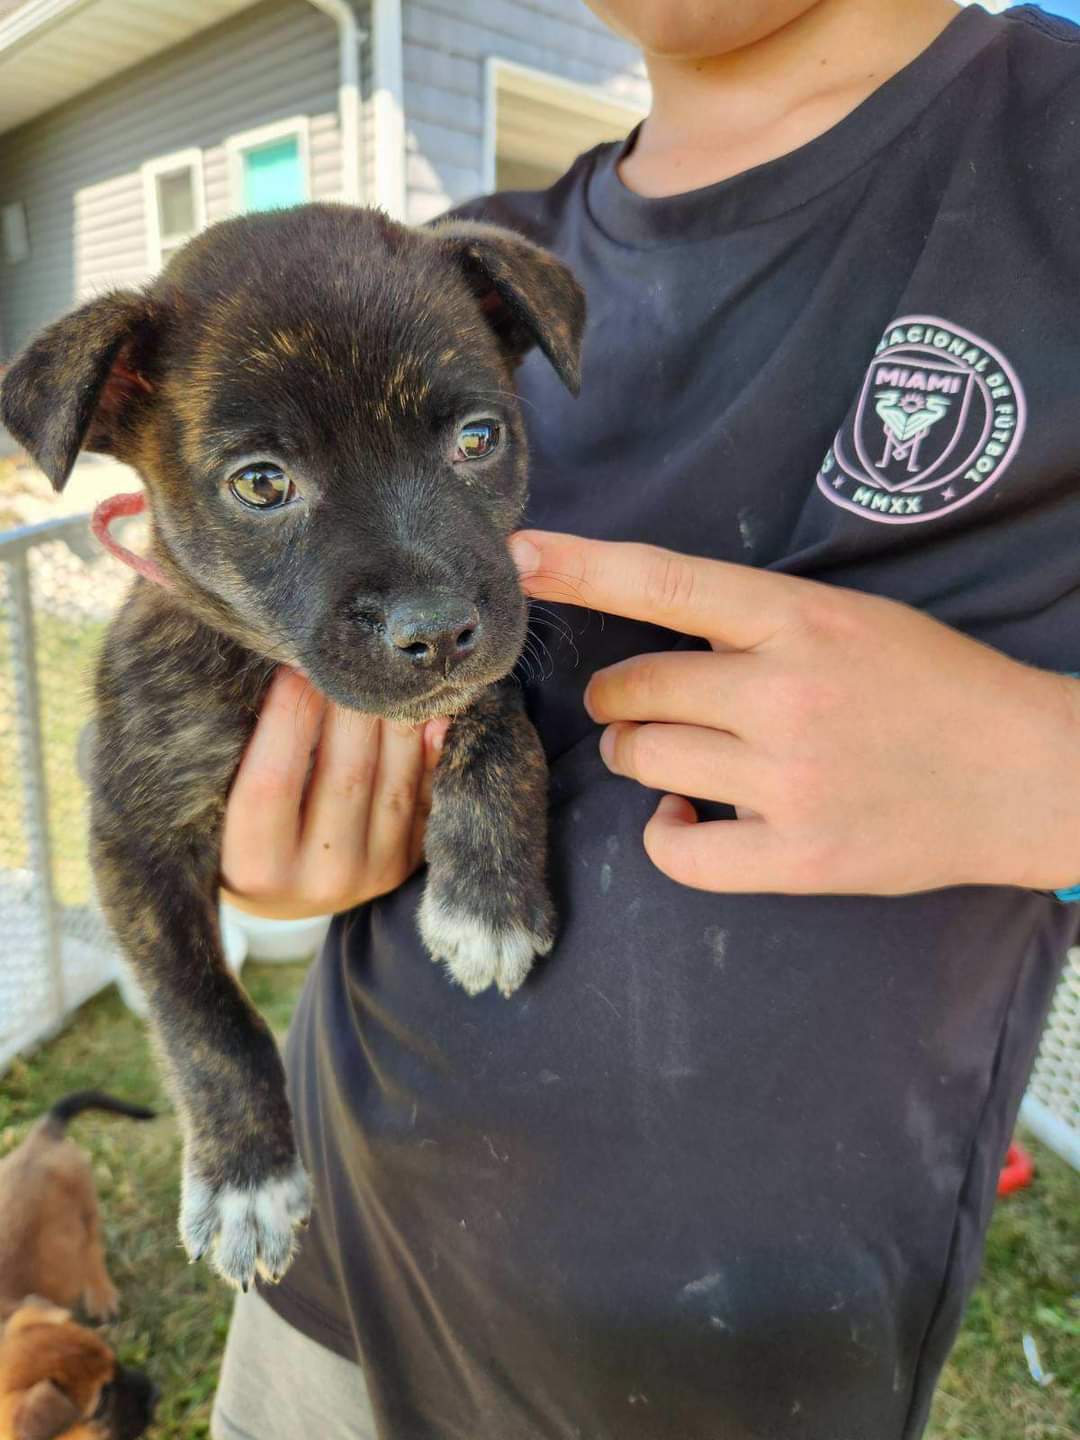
point(175, 1315)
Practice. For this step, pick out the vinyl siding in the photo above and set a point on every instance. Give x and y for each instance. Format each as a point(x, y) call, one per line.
point(446, 44)
point(77, 169)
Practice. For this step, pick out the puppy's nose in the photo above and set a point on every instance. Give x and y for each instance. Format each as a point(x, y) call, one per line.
point(433, 630)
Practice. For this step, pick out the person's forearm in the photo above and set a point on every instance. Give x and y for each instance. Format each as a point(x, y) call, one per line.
point(1039, 846)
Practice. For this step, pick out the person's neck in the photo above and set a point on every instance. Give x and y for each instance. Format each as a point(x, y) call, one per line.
point(715, 118)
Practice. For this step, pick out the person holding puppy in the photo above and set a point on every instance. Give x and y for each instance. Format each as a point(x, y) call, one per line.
point(725, 1166)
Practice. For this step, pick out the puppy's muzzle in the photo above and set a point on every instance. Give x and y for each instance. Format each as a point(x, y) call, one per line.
point(432, 631)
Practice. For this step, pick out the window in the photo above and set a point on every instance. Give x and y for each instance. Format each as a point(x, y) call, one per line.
point(269, 167)
point(15, 233)
point(175, 203)
point(535, 125)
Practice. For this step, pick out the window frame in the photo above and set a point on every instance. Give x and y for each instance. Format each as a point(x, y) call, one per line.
point(550, 89)
point(189, 159)
point(237, 145)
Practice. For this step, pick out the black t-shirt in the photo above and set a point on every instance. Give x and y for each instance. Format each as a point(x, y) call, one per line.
point(722, 1169)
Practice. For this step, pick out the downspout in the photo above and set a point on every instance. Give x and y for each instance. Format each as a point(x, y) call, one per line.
point(349, 37)
point(388, 87)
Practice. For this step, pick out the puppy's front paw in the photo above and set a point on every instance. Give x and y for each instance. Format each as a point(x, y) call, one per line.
point(101, 1300)
point(250, 1227)
point(478, 952)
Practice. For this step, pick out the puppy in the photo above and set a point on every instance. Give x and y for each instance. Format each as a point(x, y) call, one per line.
point(50, 1231)
point(320, 403)
point(61, 1382)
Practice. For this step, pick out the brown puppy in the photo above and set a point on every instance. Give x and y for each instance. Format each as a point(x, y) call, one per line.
point(59, 1381)
point(50, 1231)
point(321, 404)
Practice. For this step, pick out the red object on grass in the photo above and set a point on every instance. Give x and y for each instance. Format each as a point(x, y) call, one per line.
point(1017, 1172)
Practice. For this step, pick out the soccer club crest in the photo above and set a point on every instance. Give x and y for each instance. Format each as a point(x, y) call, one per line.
point(937, 421)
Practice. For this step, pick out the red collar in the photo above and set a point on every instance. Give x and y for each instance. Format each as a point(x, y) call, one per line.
point(114, 508)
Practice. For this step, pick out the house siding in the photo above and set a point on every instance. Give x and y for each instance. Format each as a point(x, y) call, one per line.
point(446, 45)
point(77, 169)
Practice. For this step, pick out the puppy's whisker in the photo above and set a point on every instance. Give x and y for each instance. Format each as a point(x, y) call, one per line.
point(568, 583)
point(509, 395)
point(539, 655)
point(308, 696)
point(543, 653)
point(561, 628)
point(544, 615)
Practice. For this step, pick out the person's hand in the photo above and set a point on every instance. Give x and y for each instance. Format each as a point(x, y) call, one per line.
point(867, 748)
point(328, 806)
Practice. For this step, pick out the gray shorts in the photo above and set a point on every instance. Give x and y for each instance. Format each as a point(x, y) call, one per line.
point(276, 1384)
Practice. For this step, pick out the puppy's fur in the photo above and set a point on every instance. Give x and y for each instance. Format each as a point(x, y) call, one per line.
point(50, 1231)
point(348, 351)
point(59, 1381)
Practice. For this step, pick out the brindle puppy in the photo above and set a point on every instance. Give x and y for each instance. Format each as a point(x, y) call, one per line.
point(320, 404)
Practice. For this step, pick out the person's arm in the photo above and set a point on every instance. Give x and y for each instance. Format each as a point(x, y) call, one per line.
point(328, 806)
point(868, 748)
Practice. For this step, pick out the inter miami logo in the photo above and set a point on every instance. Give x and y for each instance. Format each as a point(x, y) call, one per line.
point(938, 419)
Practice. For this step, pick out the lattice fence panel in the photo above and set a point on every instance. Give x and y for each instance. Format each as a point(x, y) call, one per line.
point(1052, 1105)
point(57, 591)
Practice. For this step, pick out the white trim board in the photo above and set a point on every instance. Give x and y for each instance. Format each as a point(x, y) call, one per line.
point(191, 159)
point(554, 90)
point(235, 145)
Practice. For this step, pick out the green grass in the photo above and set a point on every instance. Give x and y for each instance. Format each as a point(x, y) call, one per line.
point(175, 1315)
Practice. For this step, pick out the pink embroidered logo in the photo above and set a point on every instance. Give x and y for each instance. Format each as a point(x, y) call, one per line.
point(938, 419)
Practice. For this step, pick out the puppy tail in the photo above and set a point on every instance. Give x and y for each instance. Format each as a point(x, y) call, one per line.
point(66, 1109)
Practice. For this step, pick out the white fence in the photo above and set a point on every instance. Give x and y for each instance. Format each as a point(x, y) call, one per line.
point(1051, 1108)
point(57, 591)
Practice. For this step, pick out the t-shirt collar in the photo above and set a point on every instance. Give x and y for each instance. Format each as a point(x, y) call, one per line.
point(791, 180)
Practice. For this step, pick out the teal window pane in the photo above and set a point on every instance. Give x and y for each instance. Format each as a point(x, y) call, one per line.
point(273, 176)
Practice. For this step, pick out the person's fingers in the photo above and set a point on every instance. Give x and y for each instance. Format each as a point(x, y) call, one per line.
point(689, 759)
point(262, 818)
point(738, 857)
point(731, 604)
point(434, 738)
point(339, 794)
point(676, 687)
point(394, 796)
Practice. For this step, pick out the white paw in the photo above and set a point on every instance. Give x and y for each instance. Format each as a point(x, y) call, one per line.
point(251, 1227)
point(476, 954)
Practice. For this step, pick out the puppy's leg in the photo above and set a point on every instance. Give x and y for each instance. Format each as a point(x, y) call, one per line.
point(244, 1190)
point(486, 912)
point(99, 1293)
point(176, 705)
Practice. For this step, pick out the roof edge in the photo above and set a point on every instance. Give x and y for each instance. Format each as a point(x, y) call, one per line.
point(31, 19)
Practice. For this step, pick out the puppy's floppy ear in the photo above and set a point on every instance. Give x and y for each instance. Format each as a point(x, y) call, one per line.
point(527, 296)
point(73, 388)
point(44, 1412)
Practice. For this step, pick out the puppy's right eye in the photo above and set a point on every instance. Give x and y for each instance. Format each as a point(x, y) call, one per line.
point(263, 487)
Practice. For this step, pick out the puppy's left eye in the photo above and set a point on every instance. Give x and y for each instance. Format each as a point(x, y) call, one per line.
point(478, 440)
point(263, 487)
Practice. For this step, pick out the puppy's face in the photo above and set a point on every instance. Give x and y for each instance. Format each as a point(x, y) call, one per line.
point(58, 1379)
point(321, 404)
